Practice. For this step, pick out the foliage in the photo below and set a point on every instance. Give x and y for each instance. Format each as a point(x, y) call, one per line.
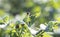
point(33, 13)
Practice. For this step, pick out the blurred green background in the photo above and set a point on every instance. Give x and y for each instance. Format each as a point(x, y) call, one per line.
point(37, 11)
point(32, 12)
